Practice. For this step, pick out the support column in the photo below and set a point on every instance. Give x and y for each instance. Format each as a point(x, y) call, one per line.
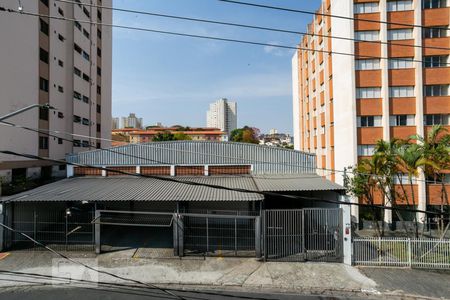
point(346, 231)
point(258, 237)
point(97, 232)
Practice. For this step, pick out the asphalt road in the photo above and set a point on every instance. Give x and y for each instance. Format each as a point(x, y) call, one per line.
point(84, 293)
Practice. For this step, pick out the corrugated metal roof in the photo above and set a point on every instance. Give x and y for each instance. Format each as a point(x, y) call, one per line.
point(129, 188)
point(301, 182)
point(265, 160)
point(141, 189)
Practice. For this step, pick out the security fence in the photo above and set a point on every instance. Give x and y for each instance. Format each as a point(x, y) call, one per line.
point(402, 252)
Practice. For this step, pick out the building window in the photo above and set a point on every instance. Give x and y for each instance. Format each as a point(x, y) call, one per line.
point(437, 90)
point(85, 33)
point(99, 71)
point(60, 141)
point(76, 143)
point(402, 120)
point(60, 11)
point(86, 55)
point(401, 91)
point(99, 109)
point(61, 38)
point(77, 71)
point(365, 8)
point(60, 115)
point(435, 32)
point(43, 84)
point(367, 93)
point(60, 63)
point(76, 95)
point(436, 61)
point(366, 150)
point(85, 144)
point(86, 77)
point(43, 113)
point(45, 2)
point(400, 34)
point(99, 145)
point(43, 55)
point(99, 33)
point(99, 127)
point(369, 121)
point(86, 12)
point(99, 90)
point(43, 142)
point(76, 119)
point(367, 64)
point(401, 63)
point(60, 89)
point(77, 48)
point(436, 120)
point(434, 3)
point(99, 52)
point(99, 15)
point(43, 26)
point(78, 25)
point(367, 35)
point(85, 99)
point(85, 121)
point(400, 5)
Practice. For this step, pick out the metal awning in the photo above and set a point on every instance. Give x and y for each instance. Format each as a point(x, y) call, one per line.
point(128, 188)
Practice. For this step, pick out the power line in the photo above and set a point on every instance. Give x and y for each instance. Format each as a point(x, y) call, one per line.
point(240, 190)
point(152, 286)
point(202, 36)
point(324, 14)
point(246, 25)
point(150, 145)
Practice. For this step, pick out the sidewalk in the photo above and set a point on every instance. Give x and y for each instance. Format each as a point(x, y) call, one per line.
point(218, 273)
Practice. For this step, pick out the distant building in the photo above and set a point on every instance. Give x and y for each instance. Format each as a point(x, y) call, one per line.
point(276, 139)
point(115, 123)
point(131, 122)
point(196, 134)
point(222, 114)
point(273, 131)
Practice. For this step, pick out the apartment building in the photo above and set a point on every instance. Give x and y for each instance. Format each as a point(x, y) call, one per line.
point(132, 122)
point(222, 114)
point(381, 85)
point(64, 63)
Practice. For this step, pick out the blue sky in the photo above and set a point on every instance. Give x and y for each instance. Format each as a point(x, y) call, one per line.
point(173, 79)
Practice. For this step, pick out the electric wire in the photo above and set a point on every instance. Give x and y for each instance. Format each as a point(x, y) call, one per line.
point(173, 33)
point(323, 14)
point(153, 145)
point(209, 21)
point(240, 190)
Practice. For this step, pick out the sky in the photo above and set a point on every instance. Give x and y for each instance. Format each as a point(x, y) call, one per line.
point(172, 79)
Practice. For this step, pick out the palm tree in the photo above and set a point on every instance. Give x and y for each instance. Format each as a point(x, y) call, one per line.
point(411, 158)
point(436, 148)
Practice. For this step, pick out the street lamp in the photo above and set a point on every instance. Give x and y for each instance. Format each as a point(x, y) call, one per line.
point(46, 105)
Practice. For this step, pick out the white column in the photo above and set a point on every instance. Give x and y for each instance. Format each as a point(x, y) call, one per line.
point(346, 231)
point(70, 171)
point(104, 171)
point(172, 170)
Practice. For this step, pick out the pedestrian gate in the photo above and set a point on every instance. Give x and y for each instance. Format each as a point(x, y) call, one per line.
point(303, 234)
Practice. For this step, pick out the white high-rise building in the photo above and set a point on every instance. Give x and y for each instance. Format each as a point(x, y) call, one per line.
point(64, 63)
point(131, 122)
point(222, 114)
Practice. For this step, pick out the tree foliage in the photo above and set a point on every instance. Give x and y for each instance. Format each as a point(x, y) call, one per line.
point(245, 134)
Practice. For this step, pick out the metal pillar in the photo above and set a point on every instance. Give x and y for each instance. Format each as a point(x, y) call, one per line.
point(346, 231)
point(97, 233)
point(258, 237)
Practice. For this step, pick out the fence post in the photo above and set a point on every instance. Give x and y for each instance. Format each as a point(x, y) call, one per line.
point(409, 253)
point(207, 236)
point(235, 236)
point(258, 236)
point(97, 232)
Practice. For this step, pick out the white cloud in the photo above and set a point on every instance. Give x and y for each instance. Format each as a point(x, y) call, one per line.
point(277, 51)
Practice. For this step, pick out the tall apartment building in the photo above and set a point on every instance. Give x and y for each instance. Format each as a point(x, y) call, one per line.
point(222, 114)
point(344, 104)
point(66, 64)
point(132, 122)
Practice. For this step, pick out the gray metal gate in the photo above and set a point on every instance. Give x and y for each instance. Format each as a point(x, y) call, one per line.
point(220, 235)
point(303, 234)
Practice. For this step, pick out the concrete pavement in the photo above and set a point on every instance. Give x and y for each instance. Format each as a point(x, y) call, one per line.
point(237, 274)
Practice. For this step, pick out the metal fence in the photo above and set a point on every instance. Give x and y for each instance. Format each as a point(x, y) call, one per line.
point(220, 235)
point(402, 252)
point(303, 234)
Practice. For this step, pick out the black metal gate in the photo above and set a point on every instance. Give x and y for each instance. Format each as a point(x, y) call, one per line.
point(303, 234)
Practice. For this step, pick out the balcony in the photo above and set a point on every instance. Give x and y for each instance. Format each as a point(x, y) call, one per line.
point(435, 16)
point(402, 48)
point(434, 194)
point(402, 77)
point(368, 49)
point(364, 25)
point(436, 105)
point(402, 132)
point(436, 76)
point(369, 135)
point(368, 78)
point(402, 106)
point(403, 17)
point(369, 107)
point(436, 42)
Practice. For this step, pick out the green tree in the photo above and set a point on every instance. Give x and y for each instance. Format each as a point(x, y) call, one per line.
point(180, 136)
point(163, 136)
point(245, 134)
